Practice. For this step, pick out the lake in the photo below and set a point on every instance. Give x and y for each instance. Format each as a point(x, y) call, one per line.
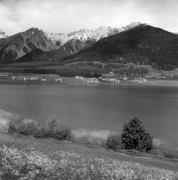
point(97, 107)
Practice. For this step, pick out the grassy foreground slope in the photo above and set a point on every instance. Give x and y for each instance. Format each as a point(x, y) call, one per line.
point(19, 164)
point(49, 146)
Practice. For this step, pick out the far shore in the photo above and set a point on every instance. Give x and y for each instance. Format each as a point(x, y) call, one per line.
point(154, 82)
point(73, 81)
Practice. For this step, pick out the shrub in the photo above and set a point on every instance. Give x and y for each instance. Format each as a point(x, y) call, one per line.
point(53, 124)
point(41, 132)
point(113, 142)
point(62, 133)
point(12, 127)
point(134, 136)
point(27, 127)
point(53, 129)
point(57, 130)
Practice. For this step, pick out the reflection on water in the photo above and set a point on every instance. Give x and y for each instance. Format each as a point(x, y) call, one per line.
point(101, 107)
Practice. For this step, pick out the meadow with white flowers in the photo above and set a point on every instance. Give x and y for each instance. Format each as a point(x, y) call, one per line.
point(19, 164)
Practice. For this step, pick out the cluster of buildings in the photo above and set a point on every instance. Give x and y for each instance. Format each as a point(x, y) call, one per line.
point(30, 77)
point(109, 78)
point(5, 75)
point(94, 80)
point(87, 80)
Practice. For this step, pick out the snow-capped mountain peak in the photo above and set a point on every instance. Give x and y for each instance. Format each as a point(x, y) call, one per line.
point(97, 33)
point(88, 34)
point(83, 34)
point(57, 38)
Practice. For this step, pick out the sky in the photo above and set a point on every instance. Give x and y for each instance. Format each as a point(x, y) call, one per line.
point(70, 15)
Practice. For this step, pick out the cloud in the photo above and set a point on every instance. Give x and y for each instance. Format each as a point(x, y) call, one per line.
point(70, 15)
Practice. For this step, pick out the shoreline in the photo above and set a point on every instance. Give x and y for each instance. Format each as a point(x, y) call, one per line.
point(73, 81)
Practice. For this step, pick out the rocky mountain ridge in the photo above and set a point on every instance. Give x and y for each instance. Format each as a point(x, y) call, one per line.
point(20, 44)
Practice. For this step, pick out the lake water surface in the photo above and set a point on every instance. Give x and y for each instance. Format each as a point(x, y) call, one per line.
point(100, 107)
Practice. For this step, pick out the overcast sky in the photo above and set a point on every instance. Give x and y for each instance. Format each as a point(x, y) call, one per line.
point(70, 15)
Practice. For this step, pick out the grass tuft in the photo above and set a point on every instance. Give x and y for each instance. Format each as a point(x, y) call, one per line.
point(93, 137)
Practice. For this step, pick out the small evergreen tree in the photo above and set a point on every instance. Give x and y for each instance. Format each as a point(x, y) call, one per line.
point(134, 136)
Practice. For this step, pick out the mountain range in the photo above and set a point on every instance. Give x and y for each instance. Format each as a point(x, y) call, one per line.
point(16, 46)
point(142, 44)
point(136, 43)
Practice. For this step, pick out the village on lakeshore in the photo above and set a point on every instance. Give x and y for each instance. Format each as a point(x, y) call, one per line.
point(95, 78)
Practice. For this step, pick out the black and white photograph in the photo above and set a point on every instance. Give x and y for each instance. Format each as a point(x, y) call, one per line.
point(88, 90)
